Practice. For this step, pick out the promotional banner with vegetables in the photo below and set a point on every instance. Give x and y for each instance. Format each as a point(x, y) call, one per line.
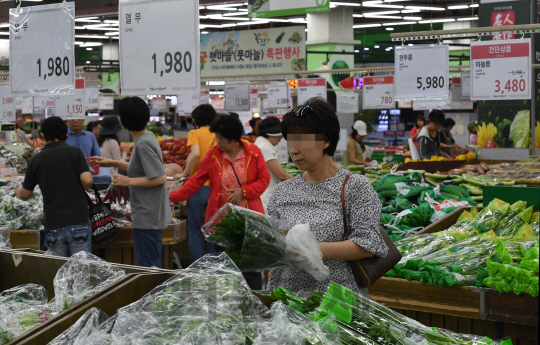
point(504, 124)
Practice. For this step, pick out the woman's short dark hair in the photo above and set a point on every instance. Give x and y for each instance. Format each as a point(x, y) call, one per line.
point(448, 122)
point(204, 115)
point(253, 121)
point(419, 117)
point(437, 116)
point(134, 113)
point(54, 128)
point(228, 127)
point(103, 138)
point(316, 116)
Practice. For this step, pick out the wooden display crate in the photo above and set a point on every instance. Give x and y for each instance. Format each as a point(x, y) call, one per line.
point(432, 167)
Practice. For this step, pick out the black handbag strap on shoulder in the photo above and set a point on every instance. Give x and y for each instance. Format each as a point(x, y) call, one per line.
point(98, 197)
point(346, 230)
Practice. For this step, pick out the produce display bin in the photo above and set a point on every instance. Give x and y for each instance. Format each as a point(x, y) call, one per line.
point(432, 167)
point(512, 194)
point(443, 223)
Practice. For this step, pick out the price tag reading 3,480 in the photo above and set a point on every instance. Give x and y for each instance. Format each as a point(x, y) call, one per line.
point(42, 50)
point(168, 65)
point(421, 72)
point(7, 104)
point(237, 97)
point(501, 69)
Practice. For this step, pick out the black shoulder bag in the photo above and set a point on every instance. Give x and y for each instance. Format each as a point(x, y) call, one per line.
point(103, 226)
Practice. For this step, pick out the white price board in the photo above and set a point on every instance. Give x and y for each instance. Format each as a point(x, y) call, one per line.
point(170, 60)
point(501, 69)
point(254, 98)
point(421, 72)
point(457, 91)
point(106, 103)
point(278, 96)
point(7, 104)
point(205, 97)
point(378, 93)
point(309, 88)
point(91, 98)
point(18, 101)
point(347, 102)
point(159, 103)
point(27, 106)
point(187, 103)
point(41, 103)
point(71, 107)
point(237, 97)
point(217, 102)
point(42, 60)
point(466, 85)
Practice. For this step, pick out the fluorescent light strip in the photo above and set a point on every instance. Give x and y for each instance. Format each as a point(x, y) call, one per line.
point(437, 21)
point(426, 8)
point(5, 25)
point(225, 18)
point(258, 22)
point(410, 11)
point(352, 4)
point(276, 20)
point(226, 7)
point(243, 13)
point(358, 15)
point(111, 21)
point(412, 18)
point(398, 23)
point(382, 6)
point(365, 26)
point(473, 5)
point(87, 20)
point(90, 36)
point(4, 33)
point(100, 28)
point(379, 13)
point(111, 33)
point(466, 19)
point(457, 7)
point(385, 17)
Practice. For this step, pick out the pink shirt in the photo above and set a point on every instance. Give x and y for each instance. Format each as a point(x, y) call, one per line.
point(413, 132)
point(473, 139)
point(228, 179)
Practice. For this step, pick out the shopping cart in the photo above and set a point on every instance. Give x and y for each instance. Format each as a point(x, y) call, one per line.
point(173, 186)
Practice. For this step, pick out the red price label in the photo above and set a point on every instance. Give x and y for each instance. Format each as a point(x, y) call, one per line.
point(48, 104)
point(8, 100)
point(386, 100)
point(511, 85)
point(7, 114)
point(75, 109)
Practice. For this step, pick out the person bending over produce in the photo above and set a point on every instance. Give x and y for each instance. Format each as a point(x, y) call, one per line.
point(355, 147)
point(447, 139)
point(237, 174)
point(146, 179)
point(200, 141)
point(312, 134)
point(63, 175)
point(429, 139)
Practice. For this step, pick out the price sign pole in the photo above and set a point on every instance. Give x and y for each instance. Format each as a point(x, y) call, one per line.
point(501, 69)
point(71, 107)
point(237, 97)
point(42, 60)
point(421, 72)
point(166, 66)
point(7, 104)
point(309, 88)
point(378, 92)
point(278, 96)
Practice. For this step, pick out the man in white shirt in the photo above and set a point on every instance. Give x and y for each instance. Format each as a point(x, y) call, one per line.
point(269, 137)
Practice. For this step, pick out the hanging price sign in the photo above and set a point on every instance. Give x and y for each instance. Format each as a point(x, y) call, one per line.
point(42, 49)
point(27, 105)
point(466, 85)
point(106, 103)
point(237, 97)
point(168, 65)
point(42, 103)
point(7, 104)
point(421, 72)
point(159, 103)
point(309, 88)
point(91, 98)
point(217, 102)
point(378, 93)
point(347, 102)
point(501, 69)
point(187, 103)
point(254, 98)
point(205, 97)
point(71, 107)
point(18, 102)
point(278, 96)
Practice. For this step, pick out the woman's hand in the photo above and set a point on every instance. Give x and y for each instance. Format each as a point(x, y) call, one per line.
point(120, 181)
point(236, 196)
point(182, 175)
point(101, 162)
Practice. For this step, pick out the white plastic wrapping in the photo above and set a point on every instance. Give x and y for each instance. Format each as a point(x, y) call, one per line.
point(303, 252)
point(85, 331)
point(5, 233)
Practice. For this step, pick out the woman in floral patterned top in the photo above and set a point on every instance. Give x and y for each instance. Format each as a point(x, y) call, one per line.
point(312, 134)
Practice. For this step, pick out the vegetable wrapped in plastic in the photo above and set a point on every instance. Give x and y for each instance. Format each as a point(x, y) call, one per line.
point(84, 331)
point(255, 241)
point(5, 233)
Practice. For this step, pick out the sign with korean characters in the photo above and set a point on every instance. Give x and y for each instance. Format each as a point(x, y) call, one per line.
point(278, 96)
point(254, 98)
point(501, 69)
point(41, 103)
point(187, 103)
point(309, 88)
point(169, 62)
point(27, 105)
point(421, 72)
point(41, 50)
point(71, 107)
point(378, 93)
point(457, 90)
point(7, 104)
point(159, 103)
point(237, 97)
point(347, 102)
point(466, 85)
point(205, 97)
point(277, 8)
point(281, 50)
point(106, 103)
point(91, 98)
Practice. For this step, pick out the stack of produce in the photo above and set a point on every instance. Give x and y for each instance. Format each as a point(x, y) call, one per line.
point(361, 321)
point(175, 151)
point(525, 171)
point(208, 303)
point(460, 254)
point(17, 214)
point(25, 307)
point(481, 169)
point(13, 160)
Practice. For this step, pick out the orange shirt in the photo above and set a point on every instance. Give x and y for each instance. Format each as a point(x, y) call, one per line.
point(204, 139)
point(228, 179)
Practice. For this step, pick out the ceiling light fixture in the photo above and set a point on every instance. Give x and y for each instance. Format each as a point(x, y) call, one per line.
point(89, 49)
point(457, 7)
point(243, 13)
point(352, 4)
point(466, 19)
point(473, 5)
point(425, 8)
point(385, 17)
point(379, 13)
point(381, 5)
point(412, 18)
point(91, 36)
point(366, 48)
point(219, 17)
point(358, 15)
point(437, 21)
point(111, 33)
point(398, 23)
point(254, 22)
point(410, 11)
point(389, 29)
point(360, 26)
point(84, 20)
point(376, 46)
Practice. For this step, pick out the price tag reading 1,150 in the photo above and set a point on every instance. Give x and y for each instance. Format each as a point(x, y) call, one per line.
point(430, 82)
point(74, 109)
point(55, 67)
point(178, 62)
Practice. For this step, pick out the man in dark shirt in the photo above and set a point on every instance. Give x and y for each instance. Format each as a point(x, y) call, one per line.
point(447, 140)
point(63, 175)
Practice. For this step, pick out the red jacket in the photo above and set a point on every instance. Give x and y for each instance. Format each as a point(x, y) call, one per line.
point(256, 182)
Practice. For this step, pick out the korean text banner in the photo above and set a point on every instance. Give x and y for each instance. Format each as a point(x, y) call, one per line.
point(276, 8)
point(253, 52)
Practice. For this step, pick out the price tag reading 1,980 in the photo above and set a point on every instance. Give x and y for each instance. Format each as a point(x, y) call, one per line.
point(309, 88)
point(501, 69)
point(42, 60)
point(378, 93)
point(278, 96)
point(7, 104)
point(71, 107)
point(237, 97)
point(166, 66)
point(421, 72)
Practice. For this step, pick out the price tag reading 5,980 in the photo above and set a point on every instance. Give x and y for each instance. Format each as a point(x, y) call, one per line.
point(168, 65)
point(42, 61)
point(421, 72)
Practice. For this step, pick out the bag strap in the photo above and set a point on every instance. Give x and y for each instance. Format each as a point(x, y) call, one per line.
point(346, 231)
point(98, 197)
point(237, 179)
